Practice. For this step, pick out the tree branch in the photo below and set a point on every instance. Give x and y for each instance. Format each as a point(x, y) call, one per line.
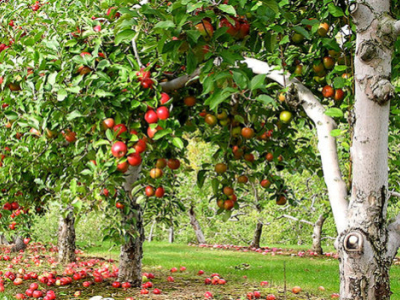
point(393, 237)
point(298, 220)
point(135, 50)
point(327, 144)
point(179, 82)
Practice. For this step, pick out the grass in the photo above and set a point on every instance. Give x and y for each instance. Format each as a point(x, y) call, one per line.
point(309, 273)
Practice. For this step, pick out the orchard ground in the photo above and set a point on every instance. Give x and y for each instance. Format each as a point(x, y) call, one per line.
point(244, 271)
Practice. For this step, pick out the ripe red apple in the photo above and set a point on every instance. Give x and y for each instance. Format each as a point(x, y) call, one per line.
point(296, 290)
point(97, 28)
point(164, 98)
point(119, 149)
point(108, 123)
point(126, 285)
point(160, 192)
point(232, 29)
point(116, 284)
point(120, 129)
point(183, 269)
point(19, 296)
point(162, 113)
point(264, 283)
point(134, 159)
point(173, 163)
point(265, 183)
point(208, 295)
point(257, 294)
point(173, 270)
point(206, 29)
point(34, 286)
point(170, 279)
point(37, 294)
point(157, 292)
point(328, 91)
point(156, 173)
point(140, 146)
point(161, 163)
point(149, 191)
point(151, 116)
point(271, 297)
point(144, 292)
point(70, 136)
point(201, 272)
point(119, 205)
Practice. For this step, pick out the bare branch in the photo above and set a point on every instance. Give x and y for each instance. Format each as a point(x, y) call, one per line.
point(393, 237)
point(179, 82)
point(298, 220)
point(135, 50)
point(327, 144)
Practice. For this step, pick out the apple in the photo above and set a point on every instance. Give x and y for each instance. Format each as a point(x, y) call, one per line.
point(249, 157)
point(119, 149)
point(37, 294)
point(119, 205)
point(229, 204)
point(271, 297)
point(236, 131)
point(164, 98)
point(298, 71)
point(134, 159)
point(108, 123)
point(339, 95)
point(208, 295)
point(70, 136)
point(221, 168)
point(156, 173)
point(34, 286)
point(247, 133)
point(201, 272)
point(144, 292)
point(116, 284)
point(140, 146)
point(206, 29)
point(174, 269)
point(285, 116)
point(149, 191)
point(265, 183)
point(264, 283)
point(120, 129)
point(242, 179)
point(228, 191)
point(232, 29)
point(151, 116)
point(257, 294)
point(77, 294)
point(18, 281)
point(281, 200)
point(297, 38)
point(328, 91)
point(183, 269)
point(157, 292)
point(323, 29)
point(211, 120)
point(207, 281)
point(19, 296)
point(123, 167)
point(269, 157)
point(328, 62)
point(151, 132)
point(112, 13)
point(170, 279)
point(244, 29)
point(160, 192)
point(296, 290)
point(190, 101)
point(97, 28)
point(161, 163)
point(162, 113)
point(173, 164)
point(126, 285)
point(321, 288)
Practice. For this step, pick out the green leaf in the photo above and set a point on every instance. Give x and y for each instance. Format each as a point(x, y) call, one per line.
point(337, 132)
point(227, 215)
point(11, 115)
point(99, 143)
point(229, 9)
point(215, 185)
point(109, 135)
point(61, 94)
point(272, 4)
point(257, 82)
point(161, 133)
point(165, 24)
point(201, 177)
point(103, 64)
point(102, 93)
point(177, 142)
point(128, 34)
point(339, 82)
point(75, 114)
point(266, 100)
point(335, 11)
point(240, 79)
point(334, 112)
point(86, 172)
point(302, 31)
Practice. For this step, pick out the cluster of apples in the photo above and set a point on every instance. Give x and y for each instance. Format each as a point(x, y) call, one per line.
point(157, 172)
point(237, 27)
point(215, 279)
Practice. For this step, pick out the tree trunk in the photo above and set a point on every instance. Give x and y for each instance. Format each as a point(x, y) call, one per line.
point(364, 265)
point(255, 243)
point(151, 233)
point(3, 240)
point(171, 237)
point(317, 234)
point(196, 226)
point(130, 265)
point(66, 238)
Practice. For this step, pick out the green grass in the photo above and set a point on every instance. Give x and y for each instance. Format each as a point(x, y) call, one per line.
point(309, 273)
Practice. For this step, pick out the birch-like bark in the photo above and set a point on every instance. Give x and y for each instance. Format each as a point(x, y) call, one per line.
point(171, 235)
point(196, 226)
point(130, 266)
point(66, 238)
point(151, 233)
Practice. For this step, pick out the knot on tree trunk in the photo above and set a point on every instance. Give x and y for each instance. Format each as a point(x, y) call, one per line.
point(292, 96)
point(378, 89)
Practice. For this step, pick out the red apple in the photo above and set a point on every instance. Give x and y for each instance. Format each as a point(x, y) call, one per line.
point(134, 159)
point(119, 149)
point(162, 113)
point(151, 116)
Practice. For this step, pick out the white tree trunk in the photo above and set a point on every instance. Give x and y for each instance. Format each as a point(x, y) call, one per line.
point(151, 233)
point(317, 234)
point(66, 238)
point(196, 226)
point(130, 266)
point(171, 236)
